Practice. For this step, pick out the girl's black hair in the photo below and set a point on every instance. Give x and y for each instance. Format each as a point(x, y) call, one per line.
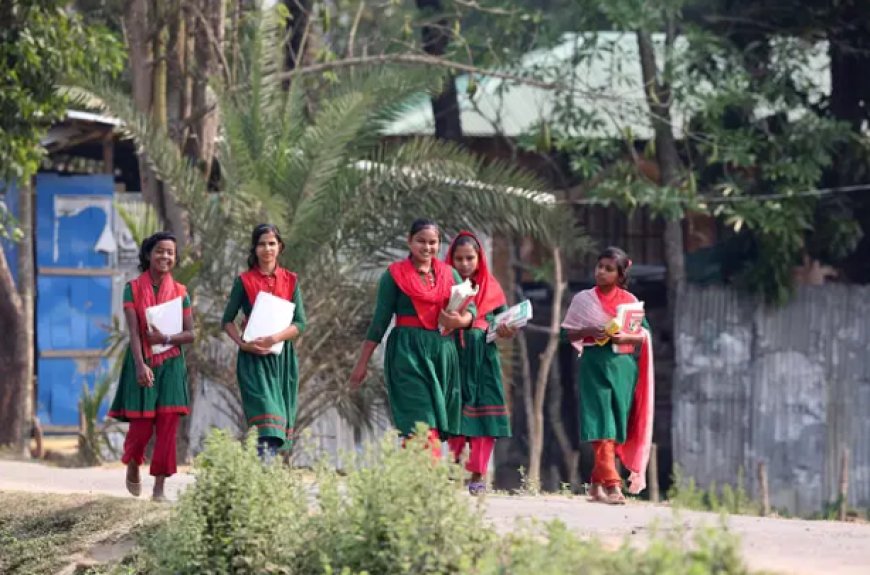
point(148, 246)
point(466, 241)
point(623, 264)
point(255, 239)
point(421, 224)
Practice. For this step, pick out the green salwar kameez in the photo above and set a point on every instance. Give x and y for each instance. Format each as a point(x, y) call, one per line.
point(606, 386)
point(421, 367)
point(269, 384)
point(484, 411)
point(169, 394)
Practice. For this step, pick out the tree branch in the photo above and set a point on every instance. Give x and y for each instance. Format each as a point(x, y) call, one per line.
point(423, 60)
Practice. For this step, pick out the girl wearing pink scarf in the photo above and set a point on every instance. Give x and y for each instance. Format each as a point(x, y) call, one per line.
point(616, 389)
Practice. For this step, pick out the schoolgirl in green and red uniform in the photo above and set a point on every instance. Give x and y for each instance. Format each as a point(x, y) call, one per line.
point(616, 388)
point(421, 366)
point(269, 383)
point(485, 414)
point(152, 391)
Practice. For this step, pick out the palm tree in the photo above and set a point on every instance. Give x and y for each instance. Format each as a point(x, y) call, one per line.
point(311, 160)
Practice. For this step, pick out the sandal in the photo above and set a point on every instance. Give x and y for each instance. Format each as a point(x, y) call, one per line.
point(477, 488)
point(134, 488)
point(597, 494)
point(615, 496)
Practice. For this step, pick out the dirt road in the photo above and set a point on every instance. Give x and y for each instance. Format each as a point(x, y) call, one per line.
point(787, 546)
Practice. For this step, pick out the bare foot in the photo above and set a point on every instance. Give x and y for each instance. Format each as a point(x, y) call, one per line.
point(134, 482)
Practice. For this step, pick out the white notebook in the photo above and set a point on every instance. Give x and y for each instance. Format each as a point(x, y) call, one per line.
point(168, 318)
point(270, 315)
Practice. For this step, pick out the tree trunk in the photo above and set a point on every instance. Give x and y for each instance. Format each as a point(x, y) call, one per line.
point(13, 359)
point(209, 37)
point(136, 20)
point(658, 96)
point(297, 30)
point(570, 455)
point(542, 378)
point(445, 105)
point(26, 291)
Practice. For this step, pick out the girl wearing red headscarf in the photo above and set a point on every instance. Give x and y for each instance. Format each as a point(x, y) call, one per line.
point(616, 388)
point(152, 390)
point(421, 366)
point(485, 415)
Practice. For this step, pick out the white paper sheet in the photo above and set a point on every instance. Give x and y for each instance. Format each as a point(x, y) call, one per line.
point(168, 319)
point(516, 316)
point(271, 314)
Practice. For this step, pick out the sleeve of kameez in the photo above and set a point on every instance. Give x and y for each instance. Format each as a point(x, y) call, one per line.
point(385, 307)
point(299, 318)
point(472, 307)
point(234, 304)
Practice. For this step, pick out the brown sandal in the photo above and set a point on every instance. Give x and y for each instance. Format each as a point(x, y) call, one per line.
point(615, 496)
point(597, 494)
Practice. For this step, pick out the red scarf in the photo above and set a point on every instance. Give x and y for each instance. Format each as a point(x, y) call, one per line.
point(428, 300)
point(281, 283)
point(143, 297)
point(489, 293)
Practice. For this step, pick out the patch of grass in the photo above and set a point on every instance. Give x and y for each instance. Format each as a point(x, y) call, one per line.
point(40, 533)
point(685, 494)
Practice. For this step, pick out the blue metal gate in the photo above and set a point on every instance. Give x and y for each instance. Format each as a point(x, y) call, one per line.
point(75, 249)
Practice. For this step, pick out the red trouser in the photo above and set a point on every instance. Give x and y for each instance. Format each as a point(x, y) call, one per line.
point(605, 473)
point(138, 435)
point(478, 457)
point(433, 443)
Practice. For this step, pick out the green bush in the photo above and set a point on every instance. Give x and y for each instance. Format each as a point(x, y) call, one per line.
point(398, 512)
point(394, 512)
point(240, 517)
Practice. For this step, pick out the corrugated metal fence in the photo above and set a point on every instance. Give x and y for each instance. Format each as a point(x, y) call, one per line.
point(789, 386)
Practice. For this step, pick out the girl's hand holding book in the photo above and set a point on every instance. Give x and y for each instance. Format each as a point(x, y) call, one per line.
point(154, 337)
point(505, 332)
point(451, 320)
point(255, 348)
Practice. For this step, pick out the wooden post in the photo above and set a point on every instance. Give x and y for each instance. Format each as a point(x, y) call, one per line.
point(844, 484)
point(653, 474)
point(109, 152)
point(763, 489)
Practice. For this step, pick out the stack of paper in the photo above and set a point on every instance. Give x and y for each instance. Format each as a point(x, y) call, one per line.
point(270, 315)
point(167, 318)
point(515, 317)
point(460, 296)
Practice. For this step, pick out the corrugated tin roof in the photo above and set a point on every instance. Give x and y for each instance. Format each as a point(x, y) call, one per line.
point(608, 78)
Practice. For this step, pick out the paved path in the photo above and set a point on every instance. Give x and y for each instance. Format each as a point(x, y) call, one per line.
point(787, 546)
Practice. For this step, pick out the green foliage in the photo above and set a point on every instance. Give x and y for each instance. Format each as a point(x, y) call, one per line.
point(554, 550)
point(92, 437)
point(395, 512)
point(42, 45)
point(241, 517)
point(684, 493)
